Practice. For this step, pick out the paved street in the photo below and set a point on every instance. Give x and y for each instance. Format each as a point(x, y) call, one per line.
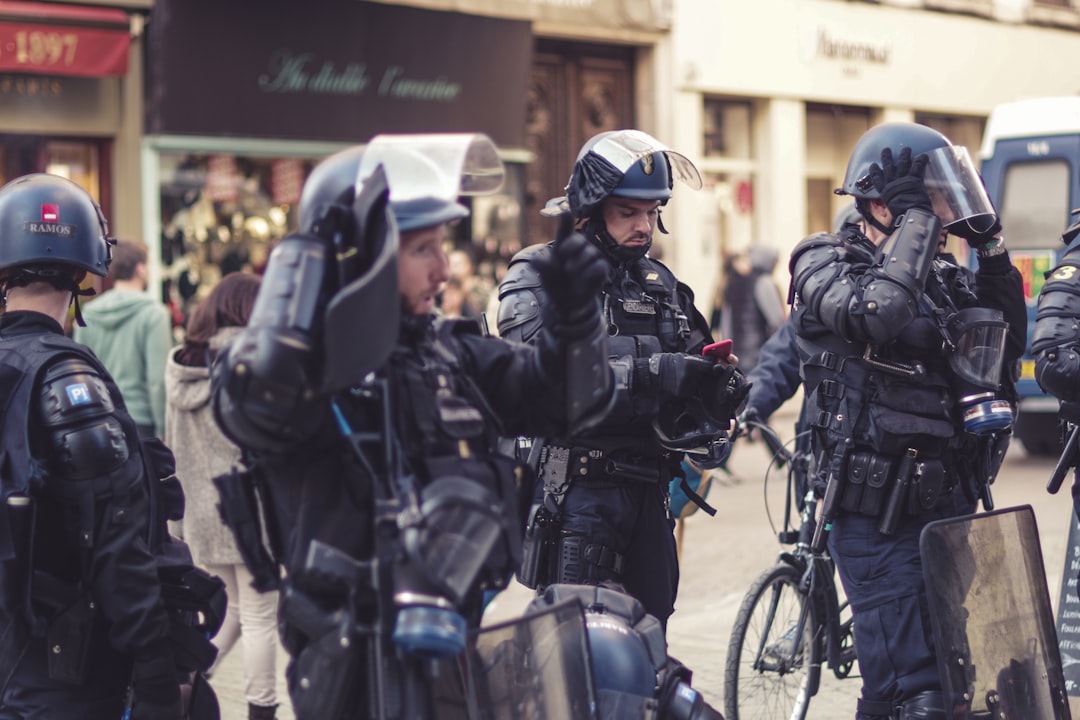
point(721, 557)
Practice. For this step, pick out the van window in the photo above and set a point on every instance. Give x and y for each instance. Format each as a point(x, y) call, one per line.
point(1035, 206)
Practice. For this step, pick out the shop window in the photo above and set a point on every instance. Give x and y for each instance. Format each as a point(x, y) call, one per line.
point(222, 213)
point(728, 129)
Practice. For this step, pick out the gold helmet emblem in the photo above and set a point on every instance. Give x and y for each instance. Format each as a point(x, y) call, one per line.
point(647, 164)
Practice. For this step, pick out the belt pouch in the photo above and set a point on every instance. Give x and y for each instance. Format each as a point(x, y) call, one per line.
point(858, 466)
point(928, 486)
point(874, 495)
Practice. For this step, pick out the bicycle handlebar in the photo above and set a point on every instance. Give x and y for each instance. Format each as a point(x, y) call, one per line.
point(779, 450)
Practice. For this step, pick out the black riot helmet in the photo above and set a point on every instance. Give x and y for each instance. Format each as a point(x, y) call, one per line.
point(331, 182)
point(953, 184)
point(896, 136)
point(623, 163)
point(48, 220)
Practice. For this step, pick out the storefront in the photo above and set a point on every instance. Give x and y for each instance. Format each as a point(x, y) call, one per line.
point(237, 119)
point(772, 116)
point(71, 98)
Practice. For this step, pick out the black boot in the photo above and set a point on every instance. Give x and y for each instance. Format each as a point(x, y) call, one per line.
point(261, 712)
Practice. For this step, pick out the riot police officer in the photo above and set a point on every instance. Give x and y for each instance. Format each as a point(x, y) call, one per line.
point(602, 509)
point(81, 617)
point(908, 374)
point(372, 424)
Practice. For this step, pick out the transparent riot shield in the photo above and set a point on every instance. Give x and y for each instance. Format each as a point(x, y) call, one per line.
point(536, 667)
point(990, 610)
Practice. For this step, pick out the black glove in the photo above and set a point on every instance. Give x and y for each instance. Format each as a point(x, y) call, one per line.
point(156, 688)
point(726, 392)
point(901, 185)
point(675, 374)
point(573, 274)
point(976, 240)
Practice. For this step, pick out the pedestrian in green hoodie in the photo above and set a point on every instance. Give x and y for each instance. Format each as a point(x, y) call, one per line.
point(131, 333)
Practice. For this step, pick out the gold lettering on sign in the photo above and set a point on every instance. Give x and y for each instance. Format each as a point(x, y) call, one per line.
point(37, 47)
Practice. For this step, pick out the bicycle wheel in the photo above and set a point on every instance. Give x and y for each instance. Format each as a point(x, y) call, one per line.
point(773, 660)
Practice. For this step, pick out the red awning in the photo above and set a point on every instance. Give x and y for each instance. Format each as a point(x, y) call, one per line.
point(51, 39)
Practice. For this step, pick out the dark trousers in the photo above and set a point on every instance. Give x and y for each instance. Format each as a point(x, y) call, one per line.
point(630, 518)
point(882, 577)
point(31, 695)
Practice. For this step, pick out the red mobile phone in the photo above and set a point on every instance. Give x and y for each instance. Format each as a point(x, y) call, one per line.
point(717, 350)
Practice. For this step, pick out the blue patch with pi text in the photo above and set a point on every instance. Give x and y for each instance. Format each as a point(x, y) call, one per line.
point(78, 394)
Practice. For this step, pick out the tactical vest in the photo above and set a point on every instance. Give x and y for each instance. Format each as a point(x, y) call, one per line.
point(194, 601)
point(446, 428)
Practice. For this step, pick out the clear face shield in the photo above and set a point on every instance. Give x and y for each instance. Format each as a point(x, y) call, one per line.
point(956, 191)
point(978, 337)
point(438, 166)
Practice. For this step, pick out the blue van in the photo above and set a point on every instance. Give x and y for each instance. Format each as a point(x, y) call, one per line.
point(1031, 166)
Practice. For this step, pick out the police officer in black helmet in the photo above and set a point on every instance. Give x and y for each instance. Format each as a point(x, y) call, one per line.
point(81, 613)
point(601, 513)
point(372, 423)
point(909, 372)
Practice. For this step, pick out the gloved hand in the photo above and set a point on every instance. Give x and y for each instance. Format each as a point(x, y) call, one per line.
point(726, 392)
point(676, 374)
point(573, 274)
point(901, 184)
point(156, 688)
point(976, 240)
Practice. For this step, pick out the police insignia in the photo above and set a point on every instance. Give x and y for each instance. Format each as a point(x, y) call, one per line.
point(652, 276)
point(78, 393)
point(647, 164)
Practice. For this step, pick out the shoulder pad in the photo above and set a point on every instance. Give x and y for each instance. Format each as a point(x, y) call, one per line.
point(521, 273)
point(73, 389)
point(821, 239)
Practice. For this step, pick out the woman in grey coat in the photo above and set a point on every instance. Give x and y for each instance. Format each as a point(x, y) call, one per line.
point(202, 452)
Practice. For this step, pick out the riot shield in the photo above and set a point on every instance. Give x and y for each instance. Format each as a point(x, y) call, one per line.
point(990, 611)
point(535, 667)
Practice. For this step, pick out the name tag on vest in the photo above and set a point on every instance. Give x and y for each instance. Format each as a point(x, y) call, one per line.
point(638, 307)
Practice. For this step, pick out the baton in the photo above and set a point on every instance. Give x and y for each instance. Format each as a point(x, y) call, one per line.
point(1066, 461)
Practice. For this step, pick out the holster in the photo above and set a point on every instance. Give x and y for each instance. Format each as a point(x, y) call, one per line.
point(239, 510)
point(538, 549)
point(323, 680)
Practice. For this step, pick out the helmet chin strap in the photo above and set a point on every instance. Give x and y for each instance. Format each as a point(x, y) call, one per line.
point(863, 206)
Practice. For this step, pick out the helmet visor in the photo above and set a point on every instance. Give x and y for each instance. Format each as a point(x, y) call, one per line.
point(440, 166)
point(624, 148)
point(956, 191)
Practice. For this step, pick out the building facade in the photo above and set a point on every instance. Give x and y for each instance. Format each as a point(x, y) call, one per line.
point(769, 97)
point(71, 98)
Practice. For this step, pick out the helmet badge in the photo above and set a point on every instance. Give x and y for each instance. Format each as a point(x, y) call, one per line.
point(50, 213)
point(647, 164)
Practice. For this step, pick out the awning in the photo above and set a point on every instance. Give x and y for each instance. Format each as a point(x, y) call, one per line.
point(51, 39)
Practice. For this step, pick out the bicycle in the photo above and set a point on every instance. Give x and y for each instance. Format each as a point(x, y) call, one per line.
point(791, 621)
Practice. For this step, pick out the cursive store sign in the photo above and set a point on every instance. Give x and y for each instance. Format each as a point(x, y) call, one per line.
point(291, 72)
point(375, 68)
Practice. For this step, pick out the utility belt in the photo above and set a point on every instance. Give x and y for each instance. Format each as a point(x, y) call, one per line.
point(560, 464)
point(890, 487)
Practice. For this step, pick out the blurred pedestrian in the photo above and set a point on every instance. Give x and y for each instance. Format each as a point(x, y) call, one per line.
point(131, 332)
point(753, 308)
point(203, 452)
